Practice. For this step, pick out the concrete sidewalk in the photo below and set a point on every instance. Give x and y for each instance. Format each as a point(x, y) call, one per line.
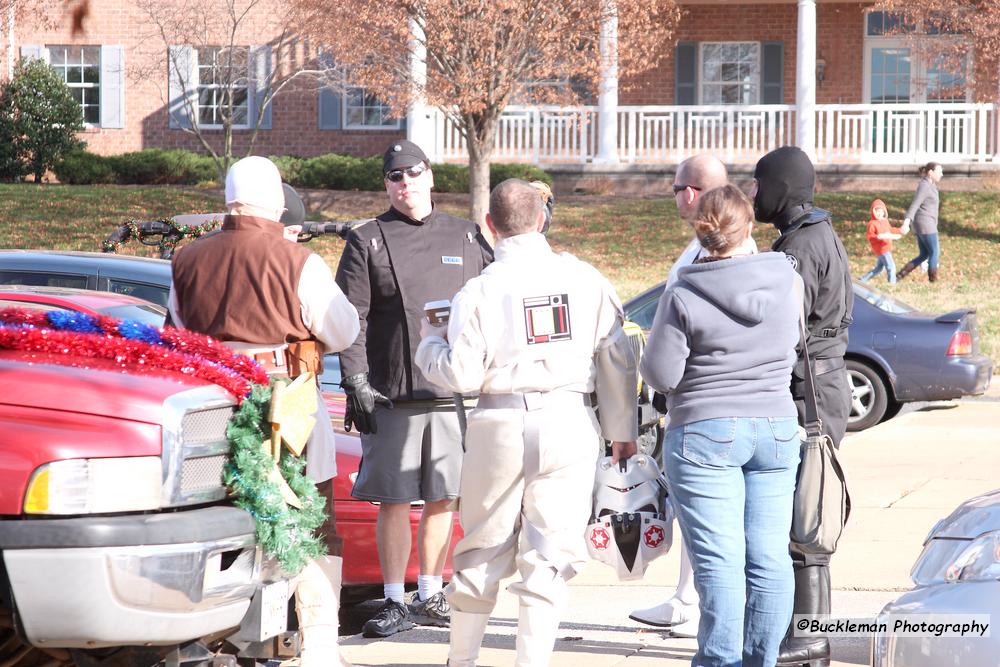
point(904, 475)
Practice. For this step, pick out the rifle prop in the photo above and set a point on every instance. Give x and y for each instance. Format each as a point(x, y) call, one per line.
point(162, 234)
point(311, 230)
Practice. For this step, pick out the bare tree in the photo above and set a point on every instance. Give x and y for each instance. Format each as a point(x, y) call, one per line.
point(481, 54)
point(946, 33)
point(222, 77)
point(32, 14)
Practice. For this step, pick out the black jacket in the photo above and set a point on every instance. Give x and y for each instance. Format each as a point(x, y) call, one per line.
point(389, 269)
point(820, 258)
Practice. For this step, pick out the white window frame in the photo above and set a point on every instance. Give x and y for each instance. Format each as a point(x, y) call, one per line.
point(758, 85)
point(197, 86)
point(345, 107)
point(63, 69)
point(918, 65)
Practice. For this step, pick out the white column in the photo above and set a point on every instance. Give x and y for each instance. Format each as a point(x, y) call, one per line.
point(607, 98)
point(419, 121)
point(805, 79)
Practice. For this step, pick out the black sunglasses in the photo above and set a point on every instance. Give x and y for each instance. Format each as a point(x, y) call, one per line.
point(396, 175)
point(682, 188)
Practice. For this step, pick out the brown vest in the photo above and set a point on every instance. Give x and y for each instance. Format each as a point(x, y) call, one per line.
point(240, 284)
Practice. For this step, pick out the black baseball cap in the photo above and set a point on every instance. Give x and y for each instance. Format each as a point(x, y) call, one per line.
point(295, 209)
point(402, 154)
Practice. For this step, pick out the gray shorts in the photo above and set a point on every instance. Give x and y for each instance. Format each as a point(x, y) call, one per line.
point(416, 455)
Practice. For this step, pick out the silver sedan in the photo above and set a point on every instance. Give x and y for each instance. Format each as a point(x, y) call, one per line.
point(958, 573)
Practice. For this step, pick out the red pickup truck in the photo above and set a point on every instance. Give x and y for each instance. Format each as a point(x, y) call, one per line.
point(115, 530)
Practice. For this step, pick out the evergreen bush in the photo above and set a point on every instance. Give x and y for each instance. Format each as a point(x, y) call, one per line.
point(39, 120)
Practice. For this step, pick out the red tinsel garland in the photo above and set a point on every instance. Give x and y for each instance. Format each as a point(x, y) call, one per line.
point(206, 346)
point(131, 355)
point(178, 350)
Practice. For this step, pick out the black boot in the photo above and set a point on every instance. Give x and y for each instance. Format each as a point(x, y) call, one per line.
point(812, 596)
point(932, 275)
point(905, 271)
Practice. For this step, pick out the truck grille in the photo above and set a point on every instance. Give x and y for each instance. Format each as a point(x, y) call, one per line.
point(205, 426)
point(200, 474)
point(195, 450)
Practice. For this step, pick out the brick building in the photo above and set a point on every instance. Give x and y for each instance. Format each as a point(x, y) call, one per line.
point(741, 78)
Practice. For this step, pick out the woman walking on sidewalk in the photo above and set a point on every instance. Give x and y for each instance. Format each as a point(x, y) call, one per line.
point(923, 212)
point(722, 347)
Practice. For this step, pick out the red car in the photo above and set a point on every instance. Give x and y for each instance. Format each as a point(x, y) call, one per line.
point(355, 518)
point(92, 303)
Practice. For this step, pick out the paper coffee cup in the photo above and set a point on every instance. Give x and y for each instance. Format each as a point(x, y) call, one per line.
point(438, 312)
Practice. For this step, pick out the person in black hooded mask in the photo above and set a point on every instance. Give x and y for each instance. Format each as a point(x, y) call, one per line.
point(782, 194)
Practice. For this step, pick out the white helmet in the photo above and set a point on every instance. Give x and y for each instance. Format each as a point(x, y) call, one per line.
point(632, 522)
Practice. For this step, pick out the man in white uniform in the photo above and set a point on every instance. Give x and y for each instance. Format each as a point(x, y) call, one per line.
point(695, 175)
point(535, 335)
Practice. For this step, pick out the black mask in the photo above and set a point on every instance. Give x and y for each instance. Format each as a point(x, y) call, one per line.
point(785, 182)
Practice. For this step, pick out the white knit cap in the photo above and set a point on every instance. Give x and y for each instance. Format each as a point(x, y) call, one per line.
point(255, 181)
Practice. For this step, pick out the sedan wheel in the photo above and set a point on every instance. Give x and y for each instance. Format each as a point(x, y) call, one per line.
point(869, 396)
point(650, 442)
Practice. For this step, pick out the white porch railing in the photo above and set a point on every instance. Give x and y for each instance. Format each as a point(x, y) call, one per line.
point(530, 134)
point(906, 133)
point(871, 134)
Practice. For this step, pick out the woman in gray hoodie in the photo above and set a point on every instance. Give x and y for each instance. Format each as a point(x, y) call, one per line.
point(722, 347)
point(923, 212)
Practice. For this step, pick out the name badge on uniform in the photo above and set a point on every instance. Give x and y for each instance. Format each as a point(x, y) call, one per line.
point(546, 318)
point(446, 259)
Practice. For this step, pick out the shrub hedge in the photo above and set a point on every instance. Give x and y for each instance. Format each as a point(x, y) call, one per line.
point(83, 168)
point(156, 166)
point(152, 166)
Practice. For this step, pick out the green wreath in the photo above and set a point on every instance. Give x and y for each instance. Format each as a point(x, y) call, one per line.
point(286, 533)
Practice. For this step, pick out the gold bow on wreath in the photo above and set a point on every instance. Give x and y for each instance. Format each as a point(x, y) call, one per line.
point(292, 417)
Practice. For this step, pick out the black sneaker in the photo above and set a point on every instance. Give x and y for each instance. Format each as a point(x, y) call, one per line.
point(392, 617)
point(435, 610)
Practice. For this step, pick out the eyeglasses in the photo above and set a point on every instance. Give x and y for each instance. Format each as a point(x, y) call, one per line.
point(396, 175)
point(682, 188)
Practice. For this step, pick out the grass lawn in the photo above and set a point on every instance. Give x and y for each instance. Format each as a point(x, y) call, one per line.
point(633, 241)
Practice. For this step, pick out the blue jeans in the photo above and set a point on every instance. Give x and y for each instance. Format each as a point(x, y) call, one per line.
point(930, 250)
point(733, 480)
point(883, 261)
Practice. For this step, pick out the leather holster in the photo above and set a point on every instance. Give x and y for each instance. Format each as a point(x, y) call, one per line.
point(304, 357)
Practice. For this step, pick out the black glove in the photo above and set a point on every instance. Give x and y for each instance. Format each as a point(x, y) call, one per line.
point(660, 402)
point(361, 401)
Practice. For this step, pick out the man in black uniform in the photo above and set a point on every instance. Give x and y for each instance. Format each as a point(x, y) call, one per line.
point(411, 443)
point(783, 196)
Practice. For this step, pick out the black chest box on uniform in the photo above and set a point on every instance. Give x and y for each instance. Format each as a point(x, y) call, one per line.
point(438, 312)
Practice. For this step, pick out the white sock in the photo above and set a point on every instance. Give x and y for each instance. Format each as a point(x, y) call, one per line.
point(393, 592)
point(428, 585)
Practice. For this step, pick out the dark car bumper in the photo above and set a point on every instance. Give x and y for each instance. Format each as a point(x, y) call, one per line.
point(966, 376)
point(959, 376)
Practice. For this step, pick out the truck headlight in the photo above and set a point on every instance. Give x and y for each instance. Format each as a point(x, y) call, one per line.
point(93, 486)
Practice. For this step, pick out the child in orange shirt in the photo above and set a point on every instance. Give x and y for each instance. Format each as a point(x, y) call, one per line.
point(880, 236)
